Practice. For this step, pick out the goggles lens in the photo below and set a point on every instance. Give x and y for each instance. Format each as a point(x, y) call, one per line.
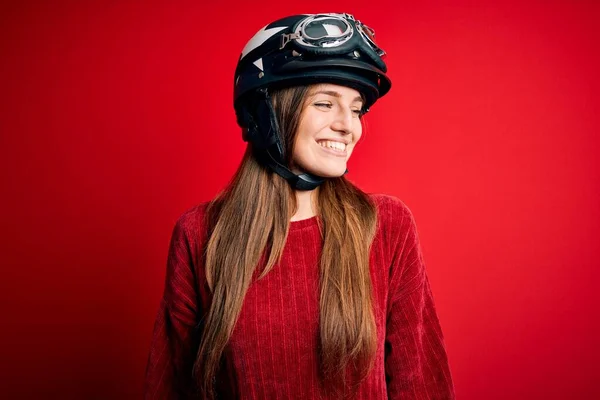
point(330, 31)
point(326, 29)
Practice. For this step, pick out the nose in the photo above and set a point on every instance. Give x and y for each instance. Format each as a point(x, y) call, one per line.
point(343, 121)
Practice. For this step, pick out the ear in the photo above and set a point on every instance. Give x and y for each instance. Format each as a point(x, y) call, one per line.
point(245, 120)
point(259, 118)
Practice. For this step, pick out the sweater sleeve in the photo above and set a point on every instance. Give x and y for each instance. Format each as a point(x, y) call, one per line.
point(174, 345)
point(416, 363)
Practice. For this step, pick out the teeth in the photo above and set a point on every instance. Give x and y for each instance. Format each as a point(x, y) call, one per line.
point(333, 145)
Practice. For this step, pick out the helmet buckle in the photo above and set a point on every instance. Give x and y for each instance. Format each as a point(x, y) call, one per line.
point(286, 37)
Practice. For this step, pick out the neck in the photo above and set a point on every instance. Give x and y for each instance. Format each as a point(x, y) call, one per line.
point(307, 204)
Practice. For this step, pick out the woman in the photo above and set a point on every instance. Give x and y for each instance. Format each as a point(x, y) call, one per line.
point(293, 283)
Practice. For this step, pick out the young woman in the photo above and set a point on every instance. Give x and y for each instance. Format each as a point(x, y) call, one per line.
point(293, 283)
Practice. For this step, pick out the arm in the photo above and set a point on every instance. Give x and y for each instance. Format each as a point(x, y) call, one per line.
point(174, 340)
point(416, 363)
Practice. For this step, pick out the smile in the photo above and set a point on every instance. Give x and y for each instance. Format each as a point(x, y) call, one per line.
point(332, 145)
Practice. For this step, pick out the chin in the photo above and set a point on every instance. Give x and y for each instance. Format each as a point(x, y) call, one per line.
point(331, 175)
point(329, 172)
point(324, 169)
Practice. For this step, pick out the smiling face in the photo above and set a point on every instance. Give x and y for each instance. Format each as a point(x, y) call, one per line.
point(329, 128)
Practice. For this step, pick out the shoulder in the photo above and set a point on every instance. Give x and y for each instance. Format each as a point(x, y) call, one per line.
point(191, 223)
point(395, 219)
point(193, 216)
point(390, 208)
point(188, 239)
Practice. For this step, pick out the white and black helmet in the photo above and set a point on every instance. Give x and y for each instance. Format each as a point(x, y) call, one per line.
point(301, 50)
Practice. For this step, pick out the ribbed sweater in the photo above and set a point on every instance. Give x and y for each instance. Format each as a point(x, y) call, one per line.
point(273, 351)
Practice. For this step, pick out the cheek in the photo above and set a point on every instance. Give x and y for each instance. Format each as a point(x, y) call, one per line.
point(358, 136)
point(302, 140)
point(307, 133)
point(302, 145)
point(357, 133)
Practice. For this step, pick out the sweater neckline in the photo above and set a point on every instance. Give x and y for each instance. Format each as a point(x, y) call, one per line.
point(304, 223)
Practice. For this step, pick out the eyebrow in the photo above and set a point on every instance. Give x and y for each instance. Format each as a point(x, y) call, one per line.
point(336, 94)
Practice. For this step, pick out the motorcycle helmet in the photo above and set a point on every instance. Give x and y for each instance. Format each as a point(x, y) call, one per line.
point(302, 50)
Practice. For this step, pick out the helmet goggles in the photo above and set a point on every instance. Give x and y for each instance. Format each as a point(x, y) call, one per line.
point(334, 34)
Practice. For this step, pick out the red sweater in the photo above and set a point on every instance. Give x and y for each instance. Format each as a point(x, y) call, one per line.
point(272, 353)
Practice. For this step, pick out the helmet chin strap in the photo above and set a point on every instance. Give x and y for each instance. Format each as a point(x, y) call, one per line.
point(303, 181)
point(263, 131)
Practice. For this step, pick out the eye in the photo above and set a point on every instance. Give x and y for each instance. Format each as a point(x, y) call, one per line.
point(324, 105)
point(359, 112)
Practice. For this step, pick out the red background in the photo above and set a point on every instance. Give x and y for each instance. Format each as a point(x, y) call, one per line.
point(117, 117)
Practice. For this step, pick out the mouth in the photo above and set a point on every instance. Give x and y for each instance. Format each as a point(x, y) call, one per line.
point(335, 148)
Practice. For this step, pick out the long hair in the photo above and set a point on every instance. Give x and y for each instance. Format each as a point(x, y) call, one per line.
point(260, 204)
